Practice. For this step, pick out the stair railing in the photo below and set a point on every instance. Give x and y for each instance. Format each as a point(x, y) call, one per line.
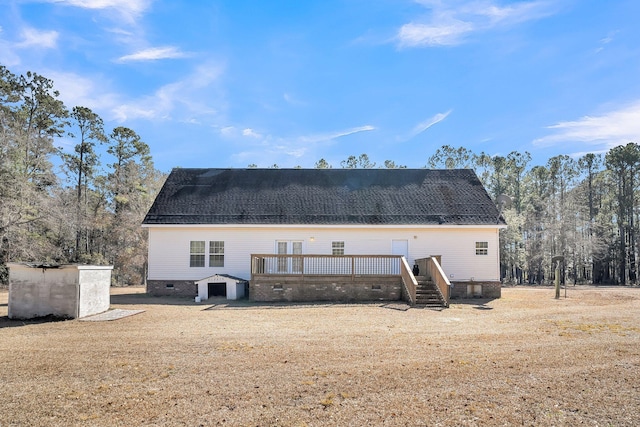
point(438, 276)
point(408, 281)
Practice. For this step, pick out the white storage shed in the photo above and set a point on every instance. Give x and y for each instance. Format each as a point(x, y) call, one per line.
point(68, 291)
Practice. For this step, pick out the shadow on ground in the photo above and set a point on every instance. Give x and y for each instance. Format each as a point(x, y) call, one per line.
point(145, 299)
point(5, 322)
point(477, 303)
point(221, 303)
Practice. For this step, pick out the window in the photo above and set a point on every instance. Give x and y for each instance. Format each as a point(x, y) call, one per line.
point(337, 248)
point(216, 254)
point(482, 248)
point(196, 258)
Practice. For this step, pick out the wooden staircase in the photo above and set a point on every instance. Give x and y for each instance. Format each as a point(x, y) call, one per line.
point(428, 294)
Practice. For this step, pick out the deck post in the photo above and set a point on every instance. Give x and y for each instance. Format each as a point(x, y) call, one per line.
point(353, 269)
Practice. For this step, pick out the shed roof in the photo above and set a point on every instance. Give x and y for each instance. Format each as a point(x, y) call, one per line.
point(323, 196)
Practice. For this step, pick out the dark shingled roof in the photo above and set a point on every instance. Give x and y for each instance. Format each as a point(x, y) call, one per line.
point(323, 196)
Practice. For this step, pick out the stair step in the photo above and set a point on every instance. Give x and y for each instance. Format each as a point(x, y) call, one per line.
point(427, 294)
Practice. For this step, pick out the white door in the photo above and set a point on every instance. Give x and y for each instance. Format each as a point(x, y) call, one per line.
point(399, 247)
point(289, 264)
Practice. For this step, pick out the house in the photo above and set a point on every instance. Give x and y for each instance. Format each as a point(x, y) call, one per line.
point(273, 232)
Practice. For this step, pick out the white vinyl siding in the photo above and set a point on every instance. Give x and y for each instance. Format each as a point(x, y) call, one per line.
point(166, 257)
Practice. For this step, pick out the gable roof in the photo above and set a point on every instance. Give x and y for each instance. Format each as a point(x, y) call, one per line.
point(221, 278)
point(323, 196)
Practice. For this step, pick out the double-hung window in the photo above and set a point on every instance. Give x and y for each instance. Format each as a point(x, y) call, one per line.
point(216, 253)
point(482, 248)
point(196, 253)
point(337, 248)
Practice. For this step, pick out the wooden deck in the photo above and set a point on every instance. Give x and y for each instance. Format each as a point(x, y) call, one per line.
point(341, 277)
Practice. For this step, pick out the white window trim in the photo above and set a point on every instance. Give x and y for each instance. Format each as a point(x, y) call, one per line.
point(192, 253)
point(482, 248)
point(339, 247)
point(211, 253)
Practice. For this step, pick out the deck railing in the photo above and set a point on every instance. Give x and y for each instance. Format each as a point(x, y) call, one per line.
point(326, 265)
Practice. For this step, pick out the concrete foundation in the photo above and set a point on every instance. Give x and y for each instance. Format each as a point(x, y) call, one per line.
point(68, 291)
point(176, 288)
point(467, 290)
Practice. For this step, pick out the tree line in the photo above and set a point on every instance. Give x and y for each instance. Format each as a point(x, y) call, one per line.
point(86, 205)
point(80, 206)
point(584, 210)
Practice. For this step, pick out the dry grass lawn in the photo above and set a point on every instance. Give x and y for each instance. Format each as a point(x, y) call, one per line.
point(525, 359)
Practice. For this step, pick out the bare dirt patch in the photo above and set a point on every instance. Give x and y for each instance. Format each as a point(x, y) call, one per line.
point(525, 359)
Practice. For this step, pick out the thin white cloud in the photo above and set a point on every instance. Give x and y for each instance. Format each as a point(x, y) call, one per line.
point(153, 54)
point(449, 23)
point(36, 38)
point(314, 138)
point(421, 127)
point(192, 94)
point(290, 99)
point(514, 13)
point(228, 130)
point(231, 131)
point(251, 133)
point(8, 56)
point(608, 130)
point(442, 34)
point(120, 32)
point(579, 154)
point(76, 90)
point(605, 41)
point(351, 131)
point(129, 9)
point(187, 100)
point(281, 150)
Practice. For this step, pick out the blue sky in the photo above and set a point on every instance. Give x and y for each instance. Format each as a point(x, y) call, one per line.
point(231, 83)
